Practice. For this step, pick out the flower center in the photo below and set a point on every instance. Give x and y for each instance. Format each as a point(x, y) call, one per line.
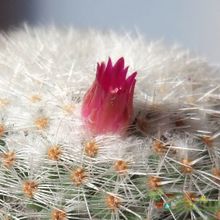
point(121, 166)
point(35, 98)
point(41, 123)
point(29, 188)
point(78, 176)
point(115, 90)
point(3, 102)
point(58, 215)
point(9, 159)
point(208, 140)
point(112, 202)
point(54, 152)
point(91, 148)
point(2, 129)
point(154, 182)
point(186, 166)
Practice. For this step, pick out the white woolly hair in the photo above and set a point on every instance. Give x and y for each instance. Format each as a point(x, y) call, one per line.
point(57, 67)
point(44, 74)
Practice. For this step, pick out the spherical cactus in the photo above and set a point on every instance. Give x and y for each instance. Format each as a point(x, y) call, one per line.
point(145, 147)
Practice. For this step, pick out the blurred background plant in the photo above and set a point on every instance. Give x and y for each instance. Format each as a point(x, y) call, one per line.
point(193, 24)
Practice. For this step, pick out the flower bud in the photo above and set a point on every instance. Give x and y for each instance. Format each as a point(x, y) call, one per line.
point(108, 105)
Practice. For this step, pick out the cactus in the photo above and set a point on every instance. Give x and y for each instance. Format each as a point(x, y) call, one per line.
point(165, 166)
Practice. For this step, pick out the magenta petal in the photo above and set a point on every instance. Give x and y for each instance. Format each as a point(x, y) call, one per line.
point(118, 69)
point(109, 75)
point(108, 105)
point(100, 72)
point(131, 78)
point(119, 66)
point(109, 65)
point(121, 77)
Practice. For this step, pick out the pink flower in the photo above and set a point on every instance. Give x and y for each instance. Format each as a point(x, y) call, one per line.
point(108, 104)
